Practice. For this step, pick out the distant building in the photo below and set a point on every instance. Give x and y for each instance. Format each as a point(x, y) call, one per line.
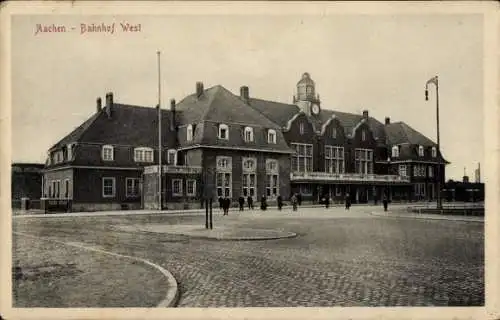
point(26, 182)
point(463, 191)
point(218, 144)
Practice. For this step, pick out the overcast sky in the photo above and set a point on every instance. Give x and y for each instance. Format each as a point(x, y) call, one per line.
point(379, 63)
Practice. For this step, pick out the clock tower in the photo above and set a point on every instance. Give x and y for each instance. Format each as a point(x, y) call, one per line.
point(306, 98)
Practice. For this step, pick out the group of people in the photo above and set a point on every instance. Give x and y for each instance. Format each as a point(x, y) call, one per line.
point(295, 200)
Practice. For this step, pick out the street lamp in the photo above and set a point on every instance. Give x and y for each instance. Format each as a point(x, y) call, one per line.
point(389, 172)
point(435, 81)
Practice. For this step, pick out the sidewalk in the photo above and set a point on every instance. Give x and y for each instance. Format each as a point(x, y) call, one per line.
point(410, 215)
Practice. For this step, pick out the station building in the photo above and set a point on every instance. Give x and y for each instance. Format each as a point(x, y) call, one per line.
point(217, 143)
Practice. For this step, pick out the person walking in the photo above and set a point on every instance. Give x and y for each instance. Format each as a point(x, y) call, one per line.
point(280, 202)
point(294, 201)
point(250, 203)
point(226, 205)
point(221, 203)
point(385, 202)
point(347, 201)
point(241, 201)
point(299, 199)
point(263, 203)
point(327, 201)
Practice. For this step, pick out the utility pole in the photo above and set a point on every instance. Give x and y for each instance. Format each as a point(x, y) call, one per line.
point(434, 80)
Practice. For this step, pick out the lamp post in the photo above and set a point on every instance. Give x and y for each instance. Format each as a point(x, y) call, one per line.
point(434, 80)
point(389, 172)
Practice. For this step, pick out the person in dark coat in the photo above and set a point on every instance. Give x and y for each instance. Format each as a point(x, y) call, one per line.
point(221, 203)
point(226, 204)
point(347, 201)
point(299, 199)
point(241, 201)
point(385, 202)
point(263, 203)
point(327, 201)
point(294, 202)
point(280, 202)
point(250, 202)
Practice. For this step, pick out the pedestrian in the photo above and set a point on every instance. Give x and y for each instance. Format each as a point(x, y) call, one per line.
point(221, 203)
point(299, 199)
point(241, 201)
point(226, 204)
point(327, 201)
point(250, 202)
point(263, 203)
point(280, 202)
point(294, 202)
point(347, 201)
point(385, 202)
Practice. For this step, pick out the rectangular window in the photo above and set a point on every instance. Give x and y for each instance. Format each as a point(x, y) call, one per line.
point(132, 187)
point(301, 128)
point(172, 157)
point(58, 189)
point(334, 159)
point(66, 189)
point(271, 136)
point(306, 189)
point(191, 187)
point(177, 187)
point(303, 157)
point(402, 170)
point(223, 184)
point(272, 180)
point(431, 172)
point(108, 187)
point(107, 153)
point(364, 161)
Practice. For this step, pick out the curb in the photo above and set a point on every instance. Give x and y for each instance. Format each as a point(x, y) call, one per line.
point(446, 218)
point(172, 297)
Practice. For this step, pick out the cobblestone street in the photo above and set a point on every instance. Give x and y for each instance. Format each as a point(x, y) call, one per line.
point(339, 258)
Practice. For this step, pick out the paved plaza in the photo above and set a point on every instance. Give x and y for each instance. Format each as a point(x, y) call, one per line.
point(334, 258)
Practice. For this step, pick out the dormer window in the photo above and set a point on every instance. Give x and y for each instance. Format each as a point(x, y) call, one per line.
point(420, 151)
point(395, 151)
point(189, 133)
point(301, 128)
point(223, 132)
point(172, 157)
point(434, 152)
point(143, 155)
point(248, 134)
point(271, 136)
point(107, 153)
point(69, 151)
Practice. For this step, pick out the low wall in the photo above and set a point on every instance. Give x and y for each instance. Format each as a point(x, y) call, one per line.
point(451, 211)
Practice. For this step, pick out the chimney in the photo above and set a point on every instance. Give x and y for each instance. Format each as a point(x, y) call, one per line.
point(172, 118)
point(387, 120)
point(199, 89)
point(244, 93)
point(109, 104)
point(99, 104)
point(365, 114)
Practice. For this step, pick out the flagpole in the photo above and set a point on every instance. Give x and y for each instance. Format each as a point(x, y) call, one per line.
point(159, 134)
point(436, 83)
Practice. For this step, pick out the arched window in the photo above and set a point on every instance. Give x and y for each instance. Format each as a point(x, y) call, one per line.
point(420, 151)
point(395, 151)
point(223, 132)
point(107, 153)
point(248, 134)
point(189, 133)
point(271, 136)
point(363, 135)
point(334, 132)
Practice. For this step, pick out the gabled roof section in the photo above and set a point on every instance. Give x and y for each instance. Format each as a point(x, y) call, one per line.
point(128, 125)
point(400, 132)
point(279, 113)
point(76, 134)
point(217, 104)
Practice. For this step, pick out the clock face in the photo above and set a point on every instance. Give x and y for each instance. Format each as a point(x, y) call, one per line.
point(315, 109)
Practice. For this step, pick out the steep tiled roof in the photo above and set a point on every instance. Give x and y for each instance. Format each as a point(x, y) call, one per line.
point(128, 125)
point(277, 112)
point(400, 132)
point(218, 105)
